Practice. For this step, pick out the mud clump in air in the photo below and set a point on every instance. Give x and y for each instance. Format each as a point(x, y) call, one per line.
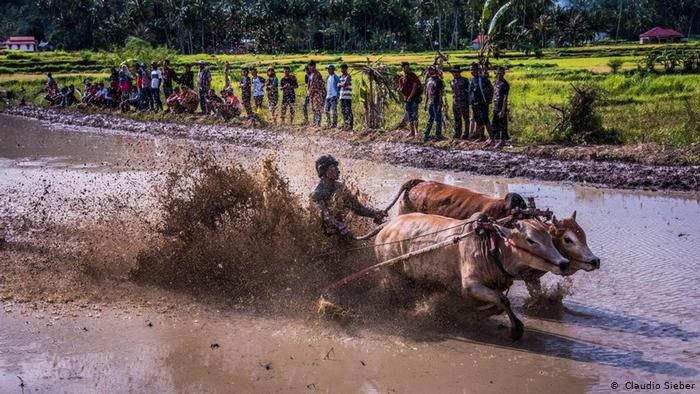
point(550, 298)
point(238, 234)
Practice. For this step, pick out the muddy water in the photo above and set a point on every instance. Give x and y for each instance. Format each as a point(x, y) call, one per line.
point(636, 319)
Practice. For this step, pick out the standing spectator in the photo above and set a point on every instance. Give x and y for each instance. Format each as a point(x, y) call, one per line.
point(288, 83)
point(307, 99)
point(246, 87)
point(273, 92)
point(332, 91)
point(460, 102)
point(317, 92)
point(499, 125)
point(480, 95)
point(227, 79)
point(124, 82)
point(435, 88)
point(412, 89)
point(114, 81)
point(147, 96)
point(51, 85)
point(345, 84)
point(187, 78)
point(169, 75)
point(258, 89)
point(156, 79)
point(204, 84)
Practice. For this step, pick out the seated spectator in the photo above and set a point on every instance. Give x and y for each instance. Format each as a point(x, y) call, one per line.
point(133, 99)
point(173, 102)
point(89, 91)
point(53, 96)
point(214, 102)
point(188, 99)
point(68, 96)
point(231, 107)
point(102, 97)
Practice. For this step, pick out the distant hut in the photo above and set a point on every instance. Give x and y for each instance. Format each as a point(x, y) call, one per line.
point(659, 35)
point(479, 41)
point(20, 43)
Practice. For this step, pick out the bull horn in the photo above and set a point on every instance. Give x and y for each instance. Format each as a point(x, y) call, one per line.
point(554, 220)
point(573, 215)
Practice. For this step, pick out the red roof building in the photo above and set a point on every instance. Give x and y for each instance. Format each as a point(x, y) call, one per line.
point(20, 43)
point(660, 35)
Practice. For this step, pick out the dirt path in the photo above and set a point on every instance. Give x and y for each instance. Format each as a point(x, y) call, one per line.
point(614, 174)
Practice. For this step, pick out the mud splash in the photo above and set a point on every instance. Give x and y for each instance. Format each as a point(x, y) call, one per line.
point(543, 165)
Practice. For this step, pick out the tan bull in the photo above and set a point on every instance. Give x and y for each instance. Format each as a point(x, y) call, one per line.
point(469, 265)
point(456, 202)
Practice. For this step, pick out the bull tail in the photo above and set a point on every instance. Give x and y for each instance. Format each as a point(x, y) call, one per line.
point(405, 188)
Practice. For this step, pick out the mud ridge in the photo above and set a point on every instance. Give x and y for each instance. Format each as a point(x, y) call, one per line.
point(613, 174)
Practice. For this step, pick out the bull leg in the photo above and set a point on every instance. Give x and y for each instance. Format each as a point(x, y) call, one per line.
point(480, 292)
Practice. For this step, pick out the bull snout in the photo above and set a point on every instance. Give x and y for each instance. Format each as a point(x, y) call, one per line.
point(564, 265)
point(595, 262)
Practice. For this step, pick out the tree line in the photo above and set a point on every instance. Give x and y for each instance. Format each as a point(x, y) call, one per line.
point(272, 26)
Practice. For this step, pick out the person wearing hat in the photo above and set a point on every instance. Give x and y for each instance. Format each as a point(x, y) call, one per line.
point(335, 201)
point(288, 83)
point(345, 85)
point(460, 102)
point(480, 96)
point(435, 88)
point(332, 92)
point(499, 124)
point(317, 92)
point(156, 79)
point(273, 92)
point(204, 84)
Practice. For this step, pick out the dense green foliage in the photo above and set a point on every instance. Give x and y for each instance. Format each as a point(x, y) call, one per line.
point(272, 26)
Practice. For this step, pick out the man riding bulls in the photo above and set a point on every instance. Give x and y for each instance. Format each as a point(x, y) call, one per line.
point(335, 200)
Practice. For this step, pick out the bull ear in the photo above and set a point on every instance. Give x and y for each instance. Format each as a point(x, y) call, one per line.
point(504, 231)
point(573, 215)
point(555, 222)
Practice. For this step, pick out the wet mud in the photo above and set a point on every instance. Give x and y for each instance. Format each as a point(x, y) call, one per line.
point(545, 163)
point(161, 264)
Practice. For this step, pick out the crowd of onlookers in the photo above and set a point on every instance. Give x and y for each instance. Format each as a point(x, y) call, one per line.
point(141, 88)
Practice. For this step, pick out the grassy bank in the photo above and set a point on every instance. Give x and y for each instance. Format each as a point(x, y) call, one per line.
point(651, 108)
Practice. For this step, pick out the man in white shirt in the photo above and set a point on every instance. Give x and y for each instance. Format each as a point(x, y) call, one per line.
point(156, 78)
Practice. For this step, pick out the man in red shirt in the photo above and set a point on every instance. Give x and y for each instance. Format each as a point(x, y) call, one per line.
point(411, 88)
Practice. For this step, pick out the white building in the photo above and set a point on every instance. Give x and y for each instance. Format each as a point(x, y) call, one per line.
point(20, 43)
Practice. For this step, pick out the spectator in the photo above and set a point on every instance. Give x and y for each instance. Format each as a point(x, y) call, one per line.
point(317, 92)
point(246, 87)
point(124, 82)
point(258, 89)
point(147, 96)
point(188, 99)
point(307, 99)
point(227, 79)
point(204, 84)
point(134, 99)
point(345, 84)
point(288, 84)
point(173, 101)
point(411, 89)
point(69, 97)
point(114, 81)
point(213, 102)
point(169, 75)
point(187, 78)
point(480, 92)
point(332, 91)
point(460, 102)
point(156, 78)
point(231, 107)
point(435, 88)
point(499, 125)
point(272, 88)
point(51, 84)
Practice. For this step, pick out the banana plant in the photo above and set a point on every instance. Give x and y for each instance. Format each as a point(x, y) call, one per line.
point(493, 19)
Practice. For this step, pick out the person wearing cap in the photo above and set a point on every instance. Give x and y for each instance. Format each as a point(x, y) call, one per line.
point(460, 102)
point(204, 84)
point(332, 91)
point(411, 88)
point(273, 92)
point(156, 79)
point(499, 124)
point(335, 200)
point(345, 85)
point(258, 83)
point(317, 92)
point(246, 91)
point(480, 95)
point(187, 78)
point(288, 83)
point(435, 89)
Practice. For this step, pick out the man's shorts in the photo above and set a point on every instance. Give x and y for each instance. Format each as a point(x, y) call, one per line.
point(481, 114)
point(412, 110)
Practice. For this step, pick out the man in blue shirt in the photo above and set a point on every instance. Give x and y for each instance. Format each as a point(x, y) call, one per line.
point(332, 91)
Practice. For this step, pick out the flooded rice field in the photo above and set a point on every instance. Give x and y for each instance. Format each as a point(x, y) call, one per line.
point(69, 194)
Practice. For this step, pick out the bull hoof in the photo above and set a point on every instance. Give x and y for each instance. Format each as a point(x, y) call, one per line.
point(516, 331)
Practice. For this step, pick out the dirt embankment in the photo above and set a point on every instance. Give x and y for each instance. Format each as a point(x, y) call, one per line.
point(590, 165)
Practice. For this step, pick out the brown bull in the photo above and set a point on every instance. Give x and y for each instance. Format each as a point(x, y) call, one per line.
point(456, 202)
point(470, 266)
